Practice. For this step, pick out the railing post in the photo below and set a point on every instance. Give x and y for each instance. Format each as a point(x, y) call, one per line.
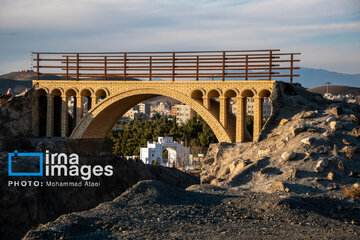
point(270, 64)
point(124, 67)
point(291, 68)
point(223, 67)
point(105, 68)
point(77, 67)
point(246, 67)
point(150, 68)
point(38, 66)
point(197, 68)
point(67, 67)
point(173, 66)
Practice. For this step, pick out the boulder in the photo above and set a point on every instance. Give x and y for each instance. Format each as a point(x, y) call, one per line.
point(349, 151)
point(329, 119)
point(283, 121)
point(341, 166)
point(296, 129)
point(329, 134)
point(334, 125)
point(331, 176)
point(277, 186)
point(293, 173)
point(337, 111)
point(354, 118)
point(356, 131)
point(346, 142)
point(264, 152)
point(286, 156)
point(309, 114)
point(306, 141)
point(321, 165)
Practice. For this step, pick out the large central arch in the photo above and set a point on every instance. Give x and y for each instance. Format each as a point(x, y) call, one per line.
point(99, 121)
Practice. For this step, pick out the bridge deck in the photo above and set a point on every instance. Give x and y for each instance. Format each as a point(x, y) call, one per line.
point(192, 65)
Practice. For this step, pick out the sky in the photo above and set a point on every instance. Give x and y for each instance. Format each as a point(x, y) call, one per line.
point(326, 32)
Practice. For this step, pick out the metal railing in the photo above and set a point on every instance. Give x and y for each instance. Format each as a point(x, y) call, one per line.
point(195, 65)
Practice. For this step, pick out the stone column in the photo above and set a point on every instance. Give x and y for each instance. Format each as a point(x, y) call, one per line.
point(79, 109)
point(257, 117)
point(223, 111)
point(35, 116)
point(93, 102)
point(64, 116)
point(206, 102)
point(192, 113)
point(50, 116)
point(240, 119)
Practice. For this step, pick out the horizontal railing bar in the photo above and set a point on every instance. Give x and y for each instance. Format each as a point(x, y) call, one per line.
point(168, 75)
point(262, 50)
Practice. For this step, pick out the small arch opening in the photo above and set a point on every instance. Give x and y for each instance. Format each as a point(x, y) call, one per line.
point(42, 111)
point(57, 102)
point(214, 103)
point(71, 109)
point(249, 110)
point(100, 95)
point(265, 105)
point(86, 101)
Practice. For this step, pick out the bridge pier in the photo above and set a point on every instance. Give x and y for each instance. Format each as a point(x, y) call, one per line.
point(50, 116)
point(257, 116)
point(79, 108)
point(93, 102)
point(240, 119)
point(223, 111)
point(64, 116)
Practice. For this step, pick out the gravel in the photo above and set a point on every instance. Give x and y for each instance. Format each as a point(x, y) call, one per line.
point(155, 210)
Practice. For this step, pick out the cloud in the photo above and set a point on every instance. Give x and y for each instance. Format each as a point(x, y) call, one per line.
point(90, 25)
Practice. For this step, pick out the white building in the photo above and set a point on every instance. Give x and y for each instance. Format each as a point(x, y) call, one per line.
point(178, 155)
point(183, 113)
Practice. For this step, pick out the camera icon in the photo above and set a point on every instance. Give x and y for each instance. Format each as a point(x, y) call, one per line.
point(25, 156)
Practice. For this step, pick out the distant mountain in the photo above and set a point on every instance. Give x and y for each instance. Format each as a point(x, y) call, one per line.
point(336, 90)
point(19, 81)
point(310, 78)
point(16, 85)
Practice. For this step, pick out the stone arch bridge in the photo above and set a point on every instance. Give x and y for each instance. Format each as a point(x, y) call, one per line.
point(108, 82)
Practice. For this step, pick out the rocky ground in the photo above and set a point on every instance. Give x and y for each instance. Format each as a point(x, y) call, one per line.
point(155, 210)
point(309, 145)
point(22, 208)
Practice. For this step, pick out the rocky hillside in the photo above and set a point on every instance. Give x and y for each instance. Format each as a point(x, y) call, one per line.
point(309, 145)
point(15, 116)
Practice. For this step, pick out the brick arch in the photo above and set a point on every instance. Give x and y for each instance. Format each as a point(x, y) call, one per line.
point(264, 93)
point(75, 90)
point(99, 121)
point(92, 92)
point(107, 92)
point(45, 89)
point(61, 90)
